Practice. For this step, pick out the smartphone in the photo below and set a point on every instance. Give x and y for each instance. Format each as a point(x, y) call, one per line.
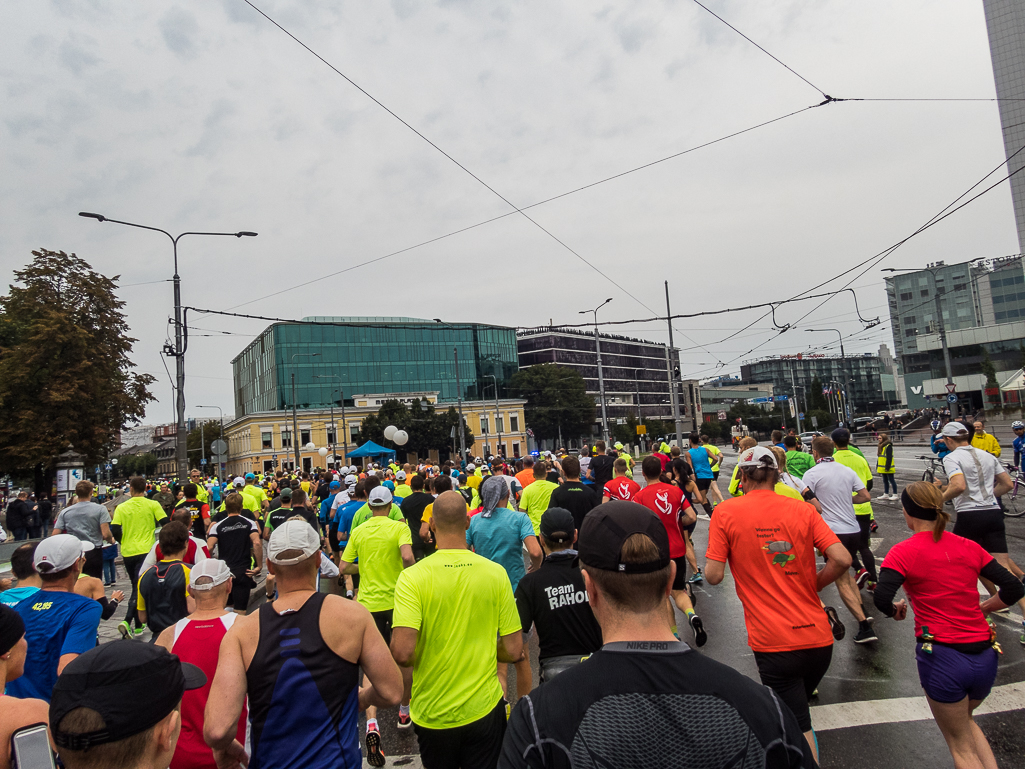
point(30, 748)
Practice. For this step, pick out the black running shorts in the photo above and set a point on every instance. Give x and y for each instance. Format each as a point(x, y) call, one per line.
point(383, 621)
point(985, 527)
point(794, 676)
point(680, 580)
point(851, 541)
point(703, 484)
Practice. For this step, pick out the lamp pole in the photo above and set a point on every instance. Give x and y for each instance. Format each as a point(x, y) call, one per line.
point(295, 421)
point(181, 454)
point(848, 400)
point(601, 378)
point(220, 471)
point(345, 426)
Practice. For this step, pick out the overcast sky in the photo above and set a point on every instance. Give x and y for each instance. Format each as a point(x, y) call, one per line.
point(201, 115)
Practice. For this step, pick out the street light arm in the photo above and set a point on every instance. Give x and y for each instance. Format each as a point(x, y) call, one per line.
point(102, 218)
point(228, 234)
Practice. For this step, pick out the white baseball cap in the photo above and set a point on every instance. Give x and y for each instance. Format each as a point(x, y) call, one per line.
point(59, 552)
point(758, 456)
point(290, 536)
point(401, 475)
point(953, 430)
point(239, 481)
point(212, 569)
point(379, 497)
point(351, 480)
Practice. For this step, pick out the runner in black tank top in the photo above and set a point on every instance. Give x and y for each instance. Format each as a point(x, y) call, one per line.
point(293, 664)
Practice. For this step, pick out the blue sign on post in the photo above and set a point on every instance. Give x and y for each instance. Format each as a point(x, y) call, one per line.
point(951, 397)
point(759, 400)
point(202, 461)
point(109, 466)
point(801, 415)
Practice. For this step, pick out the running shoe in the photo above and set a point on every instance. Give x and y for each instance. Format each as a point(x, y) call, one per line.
point(894, 497)
point(375, 757)
point(125, 630)
point(874, 527)
point(839, 631)
point(696, 578)
point(871, 586)
point(700, 636)
point(866, 634)
point(139, 631)
point(404, 720)
point(861, 578)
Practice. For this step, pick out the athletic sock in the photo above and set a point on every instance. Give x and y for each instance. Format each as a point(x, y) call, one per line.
point(690, 613)
point(403, 710)
point(372, 725)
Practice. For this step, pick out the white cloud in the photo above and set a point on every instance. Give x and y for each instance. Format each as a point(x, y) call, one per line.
point(203, 116)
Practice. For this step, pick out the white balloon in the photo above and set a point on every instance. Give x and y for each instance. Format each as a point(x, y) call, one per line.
point(311, 446)
point(400, 438)
point(389, 432)
point(322, 452)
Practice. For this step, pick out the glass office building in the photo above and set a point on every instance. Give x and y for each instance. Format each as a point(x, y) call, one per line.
point(370, 355)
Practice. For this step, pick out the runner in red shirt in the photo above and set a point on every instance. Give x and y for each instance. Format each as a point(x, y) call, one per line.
point(197, 639)
point(622, 486)
point(672, 508)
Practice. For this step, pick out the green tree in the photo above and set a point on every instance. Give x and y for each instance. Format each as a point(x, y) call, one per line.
point(556, 398)
point(136, 464)
point(209, 433)
point(66, 377)
point(816, 400)
point(986, 367)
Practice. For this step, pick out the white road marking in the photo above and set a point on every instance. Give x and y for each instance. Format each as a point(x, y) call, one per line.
point(843, 715)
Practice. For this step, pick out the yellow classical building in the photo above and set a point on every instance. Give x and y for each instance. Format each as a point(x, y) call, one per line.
point(262, 442)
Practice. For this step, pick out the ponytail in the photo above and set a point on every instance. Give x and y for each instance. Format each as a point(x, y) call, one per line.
point(925, 501)
point(942, 519)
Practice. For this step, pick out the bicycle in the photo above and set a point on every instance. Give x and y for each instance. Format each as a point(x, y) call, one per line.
point(935, 463)
point(1014, 507)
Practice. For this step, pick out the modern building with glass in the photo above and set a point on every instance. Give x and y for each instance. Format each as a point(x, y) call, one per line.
point(359, 355)
point(862, 373)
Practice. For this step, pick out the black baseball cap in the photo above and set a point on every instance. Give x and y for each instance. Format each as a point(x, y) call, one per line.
point(131, 685)
point(608, 526)
point(841, 435)
point(557, 524)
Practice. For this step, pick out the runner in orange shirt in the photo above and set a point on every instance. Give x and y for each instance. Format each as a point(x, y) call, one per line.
point(769, 541)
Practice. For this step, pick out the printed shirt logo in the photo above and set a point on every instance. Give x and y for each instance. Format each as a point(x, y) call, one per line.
point(780, 547)
point(662, 503)
point(624, 491)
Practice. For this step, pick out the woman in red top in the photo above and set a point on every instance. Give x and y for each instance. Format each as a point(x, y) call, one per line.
point(957, 656)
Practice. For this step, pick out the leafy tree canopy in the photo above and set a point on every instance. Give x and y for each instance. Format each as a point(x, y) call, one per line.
point(556, 396)
point(65, 370)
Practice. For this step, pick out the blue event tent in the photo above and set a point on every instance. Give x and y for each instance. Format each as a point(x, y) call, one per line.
point(371, 449)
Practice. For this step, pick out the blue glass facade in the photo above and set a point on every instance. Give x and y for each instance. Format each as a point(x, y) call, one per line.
point(370, 355)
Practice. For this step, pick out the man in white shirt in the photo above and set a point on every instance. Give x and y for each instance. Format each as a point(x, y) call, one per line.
point(975, 478)
point(834, 489)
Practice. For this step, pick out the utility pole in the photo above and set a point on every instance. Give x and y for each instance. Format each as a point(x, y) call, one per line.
point(674, 402)
point(797, 404)
point(601, 378)
point(202, 446)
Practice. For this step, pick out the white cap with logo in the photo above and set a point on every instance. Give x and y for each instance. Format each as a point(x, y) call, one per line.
point(954, 430)
point(758, 456)
point(212, 571)
point(292, 536)
point(239, 481)
point(59, 552)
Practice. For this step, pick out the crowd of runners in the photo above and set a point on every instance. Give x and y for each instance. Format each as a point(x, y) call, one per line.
point(418, 585)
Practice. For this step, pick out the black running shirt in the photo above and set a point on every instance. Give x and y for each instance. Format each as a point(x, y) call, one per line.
point(234, 543)
point(553, 599)
point(655, 705)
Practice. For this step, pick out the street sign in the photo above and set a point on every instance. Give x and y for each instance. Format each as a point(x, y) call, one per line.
point(781, 398)
point(814, 421)
point(219, 459)
point(113, 461)
point(203, 461)
point(951, 387)
point(759, 400)
point(219, 447)
point(722, 416)
point(642, 430)
point(800, 415)
point(109, 466)
point(952, 398)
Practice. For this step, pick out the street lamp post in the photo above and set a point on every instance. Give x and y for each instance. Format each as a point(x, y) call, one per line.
point(848, 400)
point(345, 426)
point(942, 326)
point(181, 454)
point(459, 400)
point(601, 378)
point(220, 467)
point(295, 421)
